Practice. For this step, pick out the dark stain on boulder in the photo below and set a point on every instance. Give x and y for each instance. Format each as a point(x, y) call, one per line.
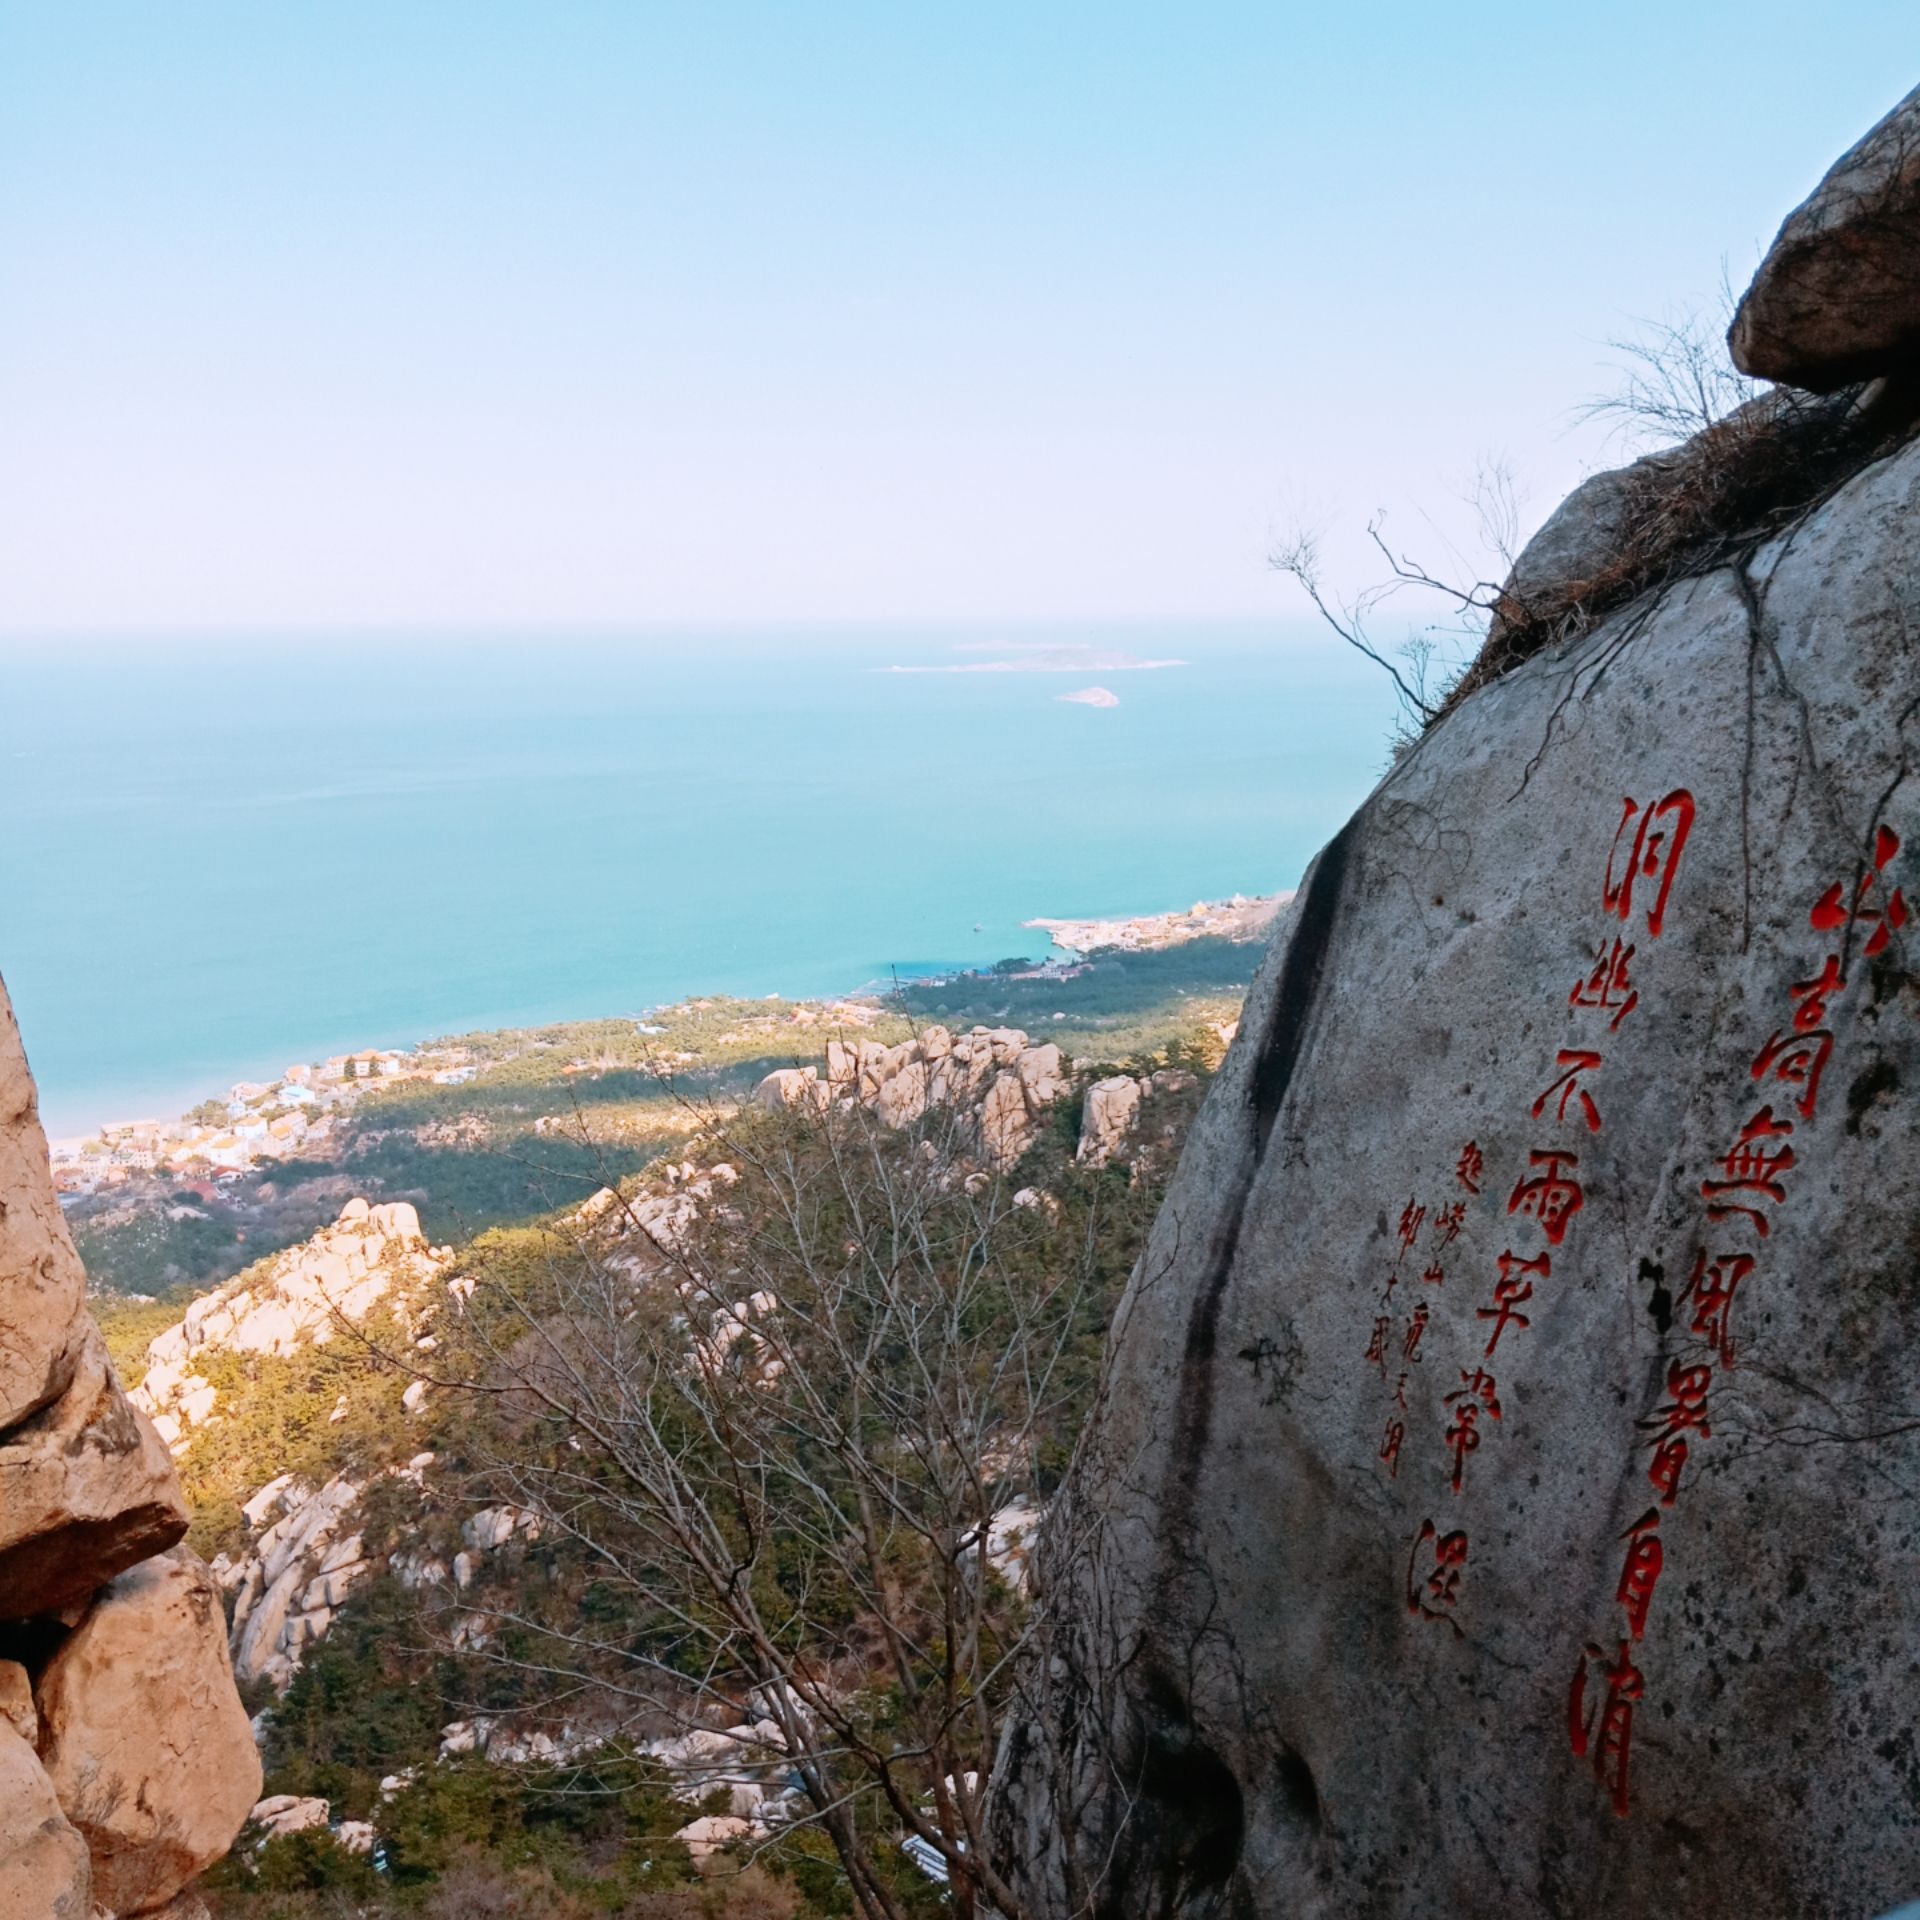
point(1881, 1077)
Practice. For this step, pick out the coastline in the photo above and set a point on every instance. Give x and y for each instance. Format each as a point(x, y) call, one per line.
point(1241, 918)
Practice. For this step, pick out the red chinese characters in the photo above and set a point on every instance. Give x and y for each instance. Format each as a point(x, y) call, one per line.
point(1391, 1443)
point(1812, 995)
point(1684, 1413)
point(1377, 1346)
point(1551, 1195)
point(1640, 1570)
point(1601, 1731)
point(1711, 1288)
point(1752, 1169)
point(1607, 985)
point(1796, 1059)
point(1416, 1327)
point(1463, 1437)
point(1572, 1062)
point(1659, 837)
point(1434, 1570)
point(1509, 1292)
point(1481, 1386)
point(1411, 1217)
point(1831, 909)
point(1470, 1167)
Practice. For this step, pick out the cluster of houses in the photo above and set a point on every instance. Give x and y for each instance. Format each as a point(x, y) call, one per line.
point(263, 1120)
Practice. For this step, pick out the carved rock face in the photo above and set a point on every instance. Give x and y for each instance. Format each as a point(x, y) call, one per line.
point(143, 1735)
point(1506, 1499)
point(1837, 298)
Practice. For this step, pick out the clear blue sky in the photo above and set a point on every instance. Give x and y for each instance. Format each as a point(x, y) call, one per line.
point(422, 313)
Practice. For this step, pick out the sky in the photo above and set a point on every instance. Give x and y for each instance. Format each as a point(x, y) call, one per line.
point(412, 314)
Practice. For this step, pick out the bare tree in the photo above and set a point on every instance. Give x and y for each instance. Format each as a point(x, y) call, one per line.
point(1674, 384)
point(781, 1437)
point(1455, 605)
point(1673, 378)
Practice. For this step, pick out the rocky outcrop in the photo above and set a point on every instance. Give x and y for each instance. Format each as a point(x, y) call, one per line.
point(1503, 1497)
point(371, 1255)
point(1837, 298)
point(143, 1735)
point(44, 1870)
point(41, 1281)
point(1677, 514)
point(995, 1080)
point(86, 1491)
point(123, 1744)
point(307, 1553)
point(1107, 1116)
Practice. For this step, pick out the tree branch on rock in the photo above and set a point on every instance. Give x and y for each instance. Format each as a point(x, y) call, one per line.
point(1434, 651)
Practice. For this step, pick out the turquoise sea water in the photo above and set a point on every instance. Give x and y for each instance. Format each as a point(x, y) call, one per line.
point(220, 857)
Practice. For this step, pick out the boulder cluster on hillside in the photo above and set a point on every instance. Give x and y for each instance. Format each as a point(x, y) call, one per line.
point(304, 1295)
point(994, 1079)
point(126, 1761)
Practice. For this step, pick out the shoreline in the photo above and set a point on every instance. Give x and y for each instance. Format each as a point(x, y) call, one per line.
point(1242, 918)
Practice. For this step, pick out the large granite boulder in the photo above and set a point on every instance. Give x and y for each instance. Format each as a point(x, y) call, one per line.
point(143, 1735)
point(86, 1490)
point(43, 1862)
point(1676, 512)
point(1837, 298)
point(113, 1663)
point(41, 1280)
point(1506, 1498)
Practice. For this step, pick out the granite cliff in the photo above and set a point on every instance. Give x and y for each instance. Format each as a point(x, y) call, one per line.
point(1504, 1497)
point(126, 1761)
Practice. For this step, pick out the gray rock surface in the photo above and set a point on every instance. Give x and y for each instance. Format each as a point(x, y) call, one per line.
point(1837, 298)
point(1505, 1499)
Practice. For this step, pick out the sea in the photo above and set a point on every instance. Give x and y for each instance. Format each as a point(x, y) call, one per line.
point(222, 855)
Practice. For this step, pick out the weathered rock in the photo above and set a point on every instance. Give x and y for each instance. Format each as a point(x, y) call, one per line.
point(1837, 298)
point(143, 1735)
point(1112, 1105)
point(43, 1862)
point(1503, 1500)
point(1675, 511)
point(86, 1490)
point(280, 1814)
point(1006, 1127)
point(901, 1098)
point(183, 1906)
point(301, 1566)
point(792, 1087)
point(41, 1282)
point(16, 1702)
point(369, 1255)
point(705, 1837)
